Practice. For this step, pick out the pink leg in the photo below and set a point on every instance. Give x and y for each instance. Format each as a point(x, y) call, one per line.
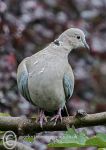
point(56, 117)
point(42, 118)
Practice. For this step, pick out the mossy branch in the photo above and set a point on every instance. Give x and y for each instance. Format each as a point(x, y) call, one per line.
point(24, 126)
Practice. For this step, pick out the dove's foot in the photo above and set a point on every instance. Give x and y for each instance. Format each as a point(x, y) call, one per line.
point(42, 118)
point(56, 117)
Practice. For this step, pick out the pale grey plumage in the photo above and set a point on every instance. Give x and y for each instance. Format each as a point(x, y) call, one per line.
point(46, 78)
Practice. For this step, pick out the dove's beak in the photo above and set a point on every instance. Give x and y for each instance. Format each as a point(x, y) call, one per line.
point(86, 45)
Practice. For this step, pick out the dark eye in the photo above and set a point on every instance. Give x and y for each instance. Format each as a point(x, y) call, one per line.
point(78, 37)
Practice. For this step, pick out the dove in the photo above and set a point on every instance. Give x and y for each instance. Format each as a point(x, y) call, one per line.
point(46, 79)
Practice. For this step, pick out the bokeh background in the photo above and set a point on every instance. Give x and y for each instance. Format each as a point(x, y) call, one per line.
point(27, 26)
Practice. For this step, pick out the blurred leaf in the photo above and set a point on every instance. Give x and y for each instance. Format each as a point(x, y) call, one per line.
point(101, 148)
point(4, 114)
point(99, 140)
point(29, 139)
point(102, 136)
point(70, 139)
point(73, 139)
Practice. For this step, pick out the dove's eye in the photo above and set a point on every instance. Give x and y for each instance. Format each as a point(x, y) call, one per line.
point(78, 37)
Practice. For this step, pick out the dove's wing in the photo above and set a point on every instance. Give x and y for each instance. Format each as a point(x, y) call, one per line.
point(68, 86)
point(22, 80)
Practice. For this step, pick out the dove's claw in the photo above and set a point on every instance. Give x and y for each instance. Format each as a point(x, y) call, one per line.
point(42, 118)
point(56, 117)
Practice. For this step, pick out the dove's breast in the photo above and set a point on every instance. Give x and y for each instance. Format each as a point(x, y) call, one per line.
point(45, 81)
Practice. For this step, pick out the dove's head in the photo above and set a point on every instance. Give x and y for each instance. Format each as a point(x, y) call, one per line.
point(74, 38)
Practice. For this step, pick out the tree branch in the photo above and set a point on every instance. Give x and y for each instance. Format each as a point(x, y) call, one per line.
point(24, 126)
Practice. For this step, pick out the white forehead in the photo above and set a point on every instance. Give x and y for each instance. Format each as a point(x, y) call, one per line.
point(74, 31)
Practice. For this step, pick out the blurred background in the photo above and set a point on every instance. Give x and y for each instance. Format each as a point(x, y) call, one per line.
point(27, 26)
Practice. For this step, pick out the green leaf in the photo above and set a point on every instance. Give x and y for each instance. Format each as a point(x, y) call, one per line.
point(101, 148)
point(29, 139)
point(71, 138)
point(99, 140)
point(95, 141)
point(102, 136)
point(4, 114)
